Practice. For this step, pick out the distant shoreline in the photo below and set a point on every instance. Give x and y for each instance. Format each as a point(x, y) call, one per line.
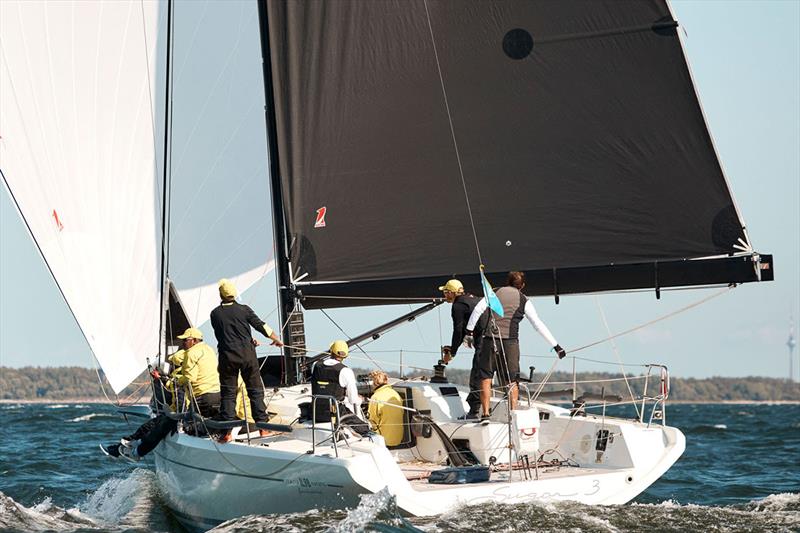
point(669, 402)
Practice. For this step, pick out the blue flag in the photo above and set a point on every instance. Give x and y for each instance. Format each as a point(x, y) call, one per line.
point(491, 297)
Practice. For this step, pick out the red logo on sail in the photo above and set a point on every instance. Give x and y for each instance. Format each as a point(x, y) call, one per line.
point(320, 223)
point(59, 225)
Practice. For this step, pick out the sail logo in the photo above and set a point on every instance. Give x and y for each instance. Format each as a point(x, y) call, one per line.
point(59, 225)
point(320, 222)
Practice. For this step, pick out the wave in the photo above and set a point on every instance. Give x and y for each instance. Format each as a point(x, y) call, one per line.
point(90, 416)
point(43, 516)
point(377, 512)
point(120, 504)
point(131, 504)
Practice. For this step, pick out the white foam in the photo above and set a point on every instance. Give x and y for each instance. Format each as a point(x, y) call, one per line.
point(116, 497)
point(783, 501)
point(371, 504)
point(57, 406)
point(720, 426)
point(84, 418)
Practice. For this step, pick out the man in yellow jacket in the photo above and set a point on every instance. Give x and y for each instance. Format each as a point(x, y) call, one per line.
point(385, 409)
point(199, 371)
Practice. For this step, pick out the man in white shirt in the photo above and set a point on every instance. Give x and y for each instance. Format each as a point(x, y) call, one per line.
point(332, 378)
point(500, 347)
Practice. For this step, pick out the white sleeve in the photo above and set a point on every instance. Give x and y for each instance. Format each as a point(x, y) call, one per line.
point(347, 379)
point(538, 325)
point(476, 314)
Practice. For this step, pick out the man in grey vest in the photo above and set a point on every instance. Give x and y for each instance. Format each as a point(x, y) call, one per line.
point(500, 347)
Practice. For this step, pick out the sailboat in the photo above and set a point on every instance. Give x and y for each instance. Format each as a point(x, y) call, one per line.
point(409, 142)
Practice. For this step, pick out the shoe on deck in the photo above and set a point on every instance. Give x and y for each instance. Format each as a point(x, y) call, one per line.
point(225, 438)
point(266, 433)
point(472, 415)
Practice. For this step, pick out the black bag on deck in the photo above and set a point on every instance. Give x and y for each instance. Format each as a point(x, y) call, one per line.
point(460, 475)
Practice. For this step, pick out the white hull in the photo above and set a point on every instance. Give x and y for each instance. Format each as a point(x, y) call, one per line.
point(207, 483)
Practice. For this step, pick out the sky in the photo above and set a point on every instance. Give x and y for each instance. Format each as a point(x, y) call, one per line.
point(745, 61)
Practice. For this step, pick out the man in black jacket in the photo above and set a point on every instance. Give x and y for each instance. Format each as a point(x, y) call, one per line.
point(463, 304)
point(232, 322)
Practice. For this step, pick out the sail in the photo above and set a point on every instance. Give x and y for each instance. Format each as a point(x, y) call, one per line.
point(569, 133)
point(77, 153)
point(198, 302)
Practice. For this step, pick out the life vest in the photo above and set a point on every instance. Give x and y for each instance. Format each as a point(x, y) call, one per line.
point(325, 381)
point(513, 302)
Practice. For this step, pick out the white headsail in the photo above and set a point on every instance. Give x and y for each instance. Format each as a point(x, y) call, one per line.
point(78, 154)
point(198, 302)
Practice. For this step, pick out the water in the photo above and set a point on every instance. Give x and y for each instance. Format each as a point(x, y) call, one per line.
point(740, 472)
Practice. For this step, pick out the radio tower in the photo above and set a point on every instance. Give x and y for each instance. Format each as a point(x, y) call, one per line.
point(791, 343)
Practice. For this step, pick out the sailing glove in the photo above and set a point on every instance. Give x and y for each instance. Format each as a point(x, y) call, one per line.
point(469, 341)
point(560, 351)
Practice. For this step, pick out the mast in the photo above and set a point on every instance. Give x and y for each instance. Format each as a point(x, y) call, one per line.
point(292, 332)
point(164, 197)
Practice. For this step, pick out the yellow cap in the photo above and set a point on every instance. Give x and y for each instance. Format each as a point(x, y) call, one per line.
point(452, 285)
point(191, 333)
point(227, 290)
point(340, 349)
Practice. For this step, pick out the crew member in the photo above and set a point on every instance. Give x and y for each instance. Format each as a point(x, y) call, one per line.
point(463, 304)
point(385, 409)
point(198, 371)
point(232, 322)
point(500, 349)
point(331, 377)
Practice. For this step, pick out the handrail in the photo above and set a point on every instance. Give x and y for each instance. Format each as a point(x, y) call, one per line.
point(332, 404)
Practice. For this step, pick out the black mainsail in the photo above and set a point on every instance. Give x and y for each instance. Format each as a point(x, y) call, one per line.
point(585, 153)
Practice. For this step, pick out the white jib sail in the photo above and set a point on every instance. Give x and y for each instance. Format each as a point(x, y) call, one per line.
point(77, 152)
point(199, 301)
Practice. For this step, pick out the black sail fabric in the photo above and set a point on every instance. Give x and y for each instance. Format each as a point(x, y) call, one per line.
point(580, 136)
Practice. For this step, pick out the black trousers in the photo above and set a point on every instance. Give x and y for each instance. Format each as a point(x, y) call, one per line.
point(231, 363)
point(474, 396)
point(208, 404)
point(152, 432)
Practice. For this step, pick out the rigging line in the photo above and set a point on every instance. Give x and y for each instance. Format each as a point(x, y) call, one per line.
point(651, 322)
point(212, 168)
point(220, 216)
point(201, 113)
point(616, 351)
point(192, 40)
point(150, 99)
point(193, 400)
point(349, 336)
point(103, 388)
point(453, 134)
point(233, 252)
point(419, 329)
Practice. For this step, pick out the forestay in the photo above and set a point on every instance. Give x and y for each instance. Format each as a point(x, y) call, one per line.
point(585, 153)
point(77, 146)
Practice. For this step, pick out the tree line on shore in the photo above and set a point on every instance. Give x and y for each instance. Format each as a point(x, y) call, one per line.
point(64, 383)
